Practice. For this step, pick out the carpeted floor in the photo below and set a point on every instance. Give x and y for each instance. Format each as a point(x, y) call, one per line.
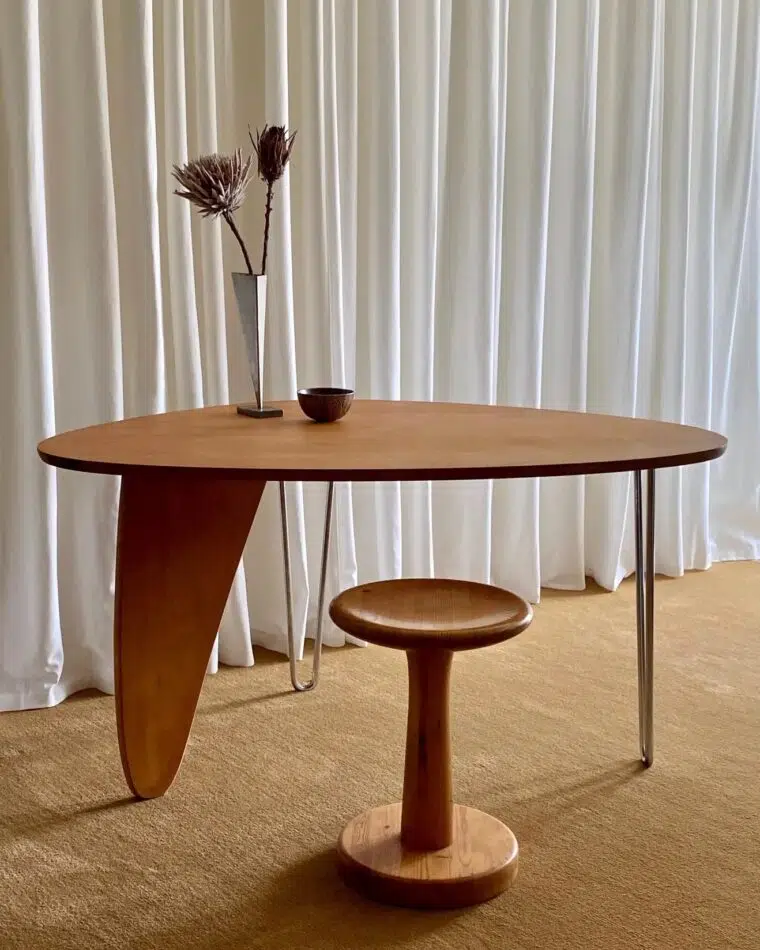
point(239, 853)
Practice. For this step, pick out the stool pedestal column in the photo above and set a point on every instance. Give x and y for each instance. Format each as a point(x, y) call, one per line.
point(427, 851)
point(427, 807)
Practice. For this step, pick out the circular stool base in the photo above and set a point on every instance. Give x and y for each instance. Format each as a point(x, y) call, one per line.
point(480, 863)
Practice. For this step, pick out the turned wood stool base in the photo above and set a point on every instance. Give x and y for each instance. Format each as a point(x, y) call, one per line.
point(426, 851)
point(480, 862)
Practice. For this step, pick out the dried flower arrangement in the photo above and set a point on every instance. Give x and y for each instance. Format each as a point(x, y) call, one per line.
point(216, 184)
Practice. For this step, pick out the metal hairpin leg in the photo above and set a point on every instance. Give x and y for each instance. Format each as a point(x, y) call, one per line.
point(645, 613)
point(310, 684)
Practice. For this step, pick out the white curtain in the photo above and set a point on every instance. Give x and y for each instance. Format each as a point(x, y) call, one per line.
point(536, 202)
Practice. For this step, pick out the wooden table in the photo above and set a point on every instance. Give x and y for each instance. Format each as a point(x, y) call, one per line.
point(192, 481)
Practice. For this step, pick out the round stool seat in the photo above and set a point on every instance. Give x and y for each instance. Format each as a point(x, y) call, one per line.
point(410, 614)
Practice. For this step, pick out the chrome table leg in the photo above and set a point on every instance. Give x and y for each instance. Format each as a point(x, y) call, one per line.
point(309, 684)
point(645, 612)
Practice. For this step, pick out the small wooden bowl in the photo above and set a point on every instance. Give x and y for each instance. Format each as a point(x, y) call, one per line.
point(325, 403)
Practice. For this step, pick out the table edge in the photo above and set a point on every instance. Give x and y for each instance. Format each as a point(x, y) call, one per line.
point(393, 475)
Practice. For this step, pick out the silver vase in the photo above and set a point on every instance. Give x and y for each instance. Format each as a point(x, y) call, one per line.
point(251, 296)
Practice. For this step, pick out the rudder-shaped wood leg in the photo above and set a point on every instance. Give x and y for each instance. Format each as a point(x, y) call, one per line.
point(180, 539)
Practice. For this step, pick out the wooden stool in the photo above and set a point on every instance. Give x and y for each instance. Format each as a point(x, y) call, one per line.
point(426, 851)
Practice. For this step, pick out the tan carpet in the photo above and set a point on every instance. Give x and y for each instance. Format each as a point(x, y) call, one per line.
point(239, 853)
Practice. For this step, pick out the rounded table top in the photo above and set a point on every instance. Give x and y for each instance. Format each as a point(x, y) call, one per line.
point(383, 441)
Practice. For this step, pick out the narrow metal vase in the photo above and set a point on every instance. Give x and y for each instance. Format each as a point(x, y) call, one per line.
point(251, 296)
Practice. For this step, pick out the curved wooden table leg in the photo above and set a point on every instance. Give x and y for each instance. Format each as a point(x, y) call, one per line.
point(180, 540)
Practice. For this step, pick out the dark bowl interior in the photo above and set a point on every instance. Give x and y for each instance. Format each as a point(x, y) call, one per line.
point(325, 403)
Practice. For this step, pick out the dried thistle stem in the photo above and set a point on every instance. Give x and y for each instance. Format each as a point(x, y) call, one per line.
point(267, 213)
point(233, 227)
